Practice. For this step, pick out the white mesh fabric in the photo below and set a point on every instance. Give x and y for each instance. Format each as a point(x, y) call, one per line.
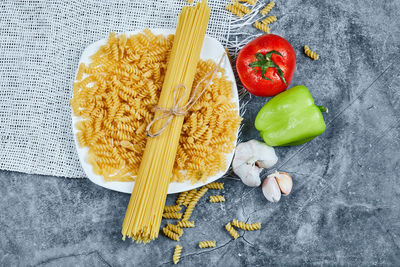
point(40, 45)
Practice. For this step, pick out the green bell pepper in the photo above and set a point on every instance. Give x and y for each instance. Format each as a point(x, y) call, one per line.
point(290, 118)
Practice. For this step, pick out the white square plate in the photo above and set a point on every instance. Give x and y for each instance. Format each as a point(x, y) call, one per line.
point(212, 49)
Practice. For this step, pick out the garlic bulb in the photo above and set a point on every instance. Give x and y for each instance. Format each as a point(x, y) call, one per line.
point(250, 158)
point(271, 189)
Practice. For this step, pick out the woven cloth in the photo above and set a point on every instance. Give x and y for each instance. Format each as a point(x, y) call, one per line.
point(40, 45)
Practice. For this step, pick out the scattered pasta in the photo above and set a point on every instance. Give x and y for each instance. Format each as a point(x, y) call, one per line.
point(267, 8)
point(193, 203)
point(269, 20)
point(115, 96)
point(181, 198)
point(234, 10)
point(190, 2)
point(215, 185)
point(262, 27)
point(175, 229)
point(218, 198)
point(207, 244)
point(199, 194)
point(172, 208)
point(177, 254)
point(171, 235)
point(246, 226)
point(186, 224)
point(241, 7)
point(188, 211)
point(189, 197)
point(231, 231)
point(311, 54)
point(172, 215)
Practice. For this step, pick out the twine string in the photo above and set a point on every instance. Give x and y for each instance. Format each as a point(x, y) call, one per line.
point(176, 110)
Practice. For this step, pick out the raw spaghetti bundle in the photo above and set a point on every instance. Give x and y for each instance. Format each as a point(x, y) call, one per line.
point(144, 213)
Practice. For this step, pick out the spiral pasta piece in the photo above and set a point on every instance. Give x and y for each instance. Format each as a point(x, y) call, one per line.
point(234, 10)
point(186, 224)
point(172, 215)
point(207, 244)
point(181, 198)
point(177, 254)
point(311, 54)
point(171, 235)
point(199, 194)
point(269, 20)
point(262, 27)
point(174, 228)
point(246, 226)
point(231, 231)
point(217, 198)
point(193, 203)
point(267, 8)
point(189, 197)
point(189, 211)
point(241, 7)
point(172, 208)
point(215, 185)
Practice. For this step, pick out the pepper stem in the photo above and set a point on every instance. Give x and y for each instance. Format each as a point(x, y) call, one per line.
point(323, 109)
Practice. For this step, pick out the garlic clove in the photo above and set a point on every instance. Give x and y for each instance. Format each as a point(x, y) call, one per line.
point(264, 154)
point(271, 189)
point(249, 174)
point(285, 182)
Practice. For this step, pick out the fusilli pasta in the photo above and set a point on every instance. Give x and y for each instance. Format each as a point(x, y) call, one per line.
point(172, 215)
point(175, 228)
point(241, 7)
point(267, 8)
point(311, 54)
point(231, 231)
point(172, 208)
point(207, 244)
point(186, 224)
point(177, 254)
point(215, 185)
point(234, 10)
point(181, 198)
point(115, 95)
point(246, 226)
point(171, 235)
point(189, 196)
point(269, 20)
point(218, 198)
point(188, 211)
point(262, 27)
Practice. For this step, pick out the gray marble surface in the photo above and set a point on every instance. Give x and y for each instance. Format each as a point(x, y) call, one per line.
point(345, 204)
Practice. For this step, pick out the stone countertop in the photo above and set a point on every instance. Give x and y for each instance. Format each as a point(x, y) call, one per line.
point(345, 204)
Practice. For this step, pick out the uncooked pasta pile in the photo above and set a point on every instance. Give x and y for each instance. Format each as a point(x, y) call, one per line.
point(115, 96)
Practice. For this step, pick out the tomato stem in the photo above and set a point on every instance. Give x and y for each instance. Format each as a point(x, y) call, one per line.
point(264, 62)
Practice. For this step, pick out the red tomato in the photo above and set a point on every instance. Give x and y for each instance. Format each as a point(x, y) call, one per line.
point(256, 57)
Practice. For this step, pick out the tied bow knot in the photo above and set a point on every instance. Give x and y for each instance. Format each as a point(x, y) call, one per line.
point(176, 109)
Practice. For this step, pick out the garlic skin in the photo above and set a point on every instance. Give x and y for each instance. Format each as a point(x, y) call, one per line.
point(271, 189)
point(250, 158)
point(250, 174)
point(284, 181)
